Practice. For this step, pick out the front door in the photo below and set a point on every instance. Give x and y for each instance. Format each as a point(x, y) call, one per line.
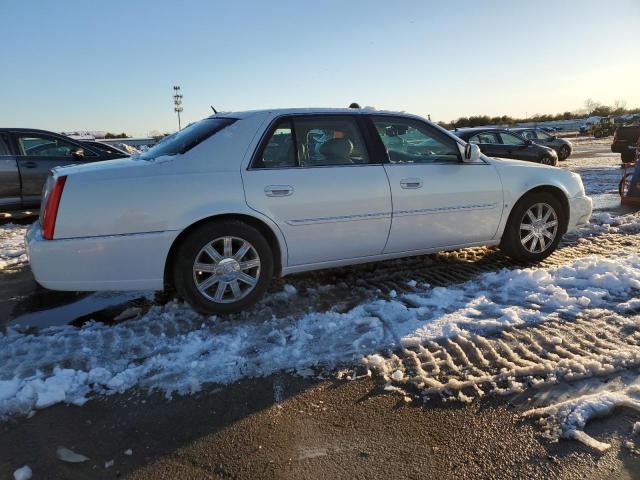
point(438, 201)
point(313, 177)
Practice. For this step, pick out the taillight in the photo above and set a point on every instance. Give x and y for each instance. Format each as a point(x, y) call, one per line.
point(50, 211)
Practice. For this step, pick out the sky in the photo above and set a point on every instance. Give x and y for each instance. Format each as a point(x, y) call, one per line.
point(78, 65)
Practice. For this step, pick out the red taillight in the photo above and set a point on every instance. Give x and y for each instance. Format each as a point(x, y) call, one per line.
point(51, 208)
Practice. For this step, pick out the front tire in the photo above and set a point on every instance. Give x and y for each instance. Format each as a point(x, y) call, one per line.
point(534, 228)
point(548, 160)
point(223, 267)
point(564, 153)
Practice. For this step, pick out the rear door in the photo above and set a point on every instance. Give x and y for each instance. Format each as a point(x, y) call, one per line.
point(314, 177)
point(438, 200)
point(38, 153)
point(9, 174)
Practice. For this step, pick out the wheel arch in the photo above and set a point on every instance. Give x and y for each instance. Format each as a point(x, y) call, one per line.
point(557, 193)
point(266, 230)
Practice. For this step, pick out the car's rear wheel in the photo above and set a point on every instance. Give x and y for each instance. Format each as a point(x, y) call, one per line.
point(628, 157)
point(223, 267)
point(564, 153)
point(534, 227)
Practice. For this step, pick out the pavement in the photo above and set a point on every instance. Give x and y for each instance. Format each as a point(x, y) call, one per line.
point(285, 426)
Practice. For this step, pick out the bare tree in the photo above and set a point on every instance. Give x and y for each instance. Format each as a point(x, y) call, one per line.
point(590, 104)
point(620, 105)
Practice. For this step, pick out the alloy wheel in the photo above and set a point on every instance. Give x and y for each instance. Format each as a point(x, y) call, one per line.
point(226, 269)
point(538, 227)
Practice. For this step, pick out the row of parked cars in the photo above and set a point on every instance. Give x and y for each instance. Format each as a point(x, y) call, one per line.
point(28, 155)
point(224, 205)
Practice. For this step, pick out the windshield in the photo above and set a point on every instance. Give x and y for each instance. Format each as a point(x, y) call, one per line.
point(187, 138)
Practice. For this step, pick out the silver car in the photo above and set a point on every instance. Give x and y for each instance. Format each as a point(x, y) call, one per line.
point(222, 206)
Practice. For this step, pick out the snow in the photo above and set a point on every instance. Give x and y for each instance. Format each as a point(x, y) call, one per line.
point(170, 349)
point(70, 456)
point(23, 473)
point(12, 250)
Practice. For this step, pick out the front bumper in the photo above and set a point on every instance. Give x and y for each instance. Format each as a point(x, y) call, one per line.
point(579, 211)
point(118, 262)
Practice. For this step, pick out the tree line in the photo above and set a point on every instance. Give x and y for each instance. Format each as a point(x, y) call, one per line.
point(591, 108)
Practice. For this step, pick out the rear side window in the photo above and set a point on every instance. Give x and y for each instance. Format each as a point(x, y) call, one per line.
point(280, 150)
point(187, 138)
point(4, 145)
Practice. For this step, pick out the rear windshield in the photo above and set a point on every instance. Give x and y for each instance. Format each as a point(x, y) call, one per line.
point(187, 138)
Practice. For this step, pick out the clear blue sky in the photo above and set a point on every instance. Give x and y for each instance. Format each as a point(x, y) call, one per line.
point(111, 65)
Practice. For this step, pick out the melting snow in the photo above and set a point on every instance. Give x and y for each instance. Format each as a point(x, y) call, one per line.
point(12, 251)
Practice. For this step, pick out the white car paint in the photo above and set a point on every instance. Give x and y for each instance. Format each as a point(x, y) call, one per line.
point(118, 220)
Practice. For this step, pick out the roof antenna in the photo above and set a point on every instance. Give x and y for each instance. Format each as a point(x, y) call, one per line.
point(214, 110)
point(354, 105)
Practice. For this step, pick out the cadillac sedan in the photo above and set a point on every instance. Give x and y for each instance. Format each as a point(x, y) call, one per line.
point(221, 207)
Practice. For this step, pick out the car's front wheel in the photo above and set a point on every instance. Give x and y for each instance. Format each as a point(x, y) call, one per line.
point(223, 267)
point(548, 160)
point(564, 152)
point(534, 227)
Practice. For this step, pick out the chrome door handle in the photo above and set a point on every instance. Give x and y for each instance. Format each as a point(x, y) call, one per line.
point(411, 183)
point(278, 190)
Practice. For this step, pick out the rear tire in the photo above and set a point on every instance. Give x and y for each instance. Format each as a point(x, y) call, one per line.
point(223, 267)
point(530, 234)
point(628, 157)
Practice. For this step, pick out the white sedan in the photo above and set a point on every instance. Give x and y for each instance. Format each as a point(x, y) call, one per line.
point(222, 206)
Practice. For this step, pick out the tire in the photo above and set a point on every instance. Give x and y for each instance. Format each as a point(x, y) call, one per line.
point(564, 153)
point(548, 160)
point(628, 157)
point(222, 270)
point(514, 240)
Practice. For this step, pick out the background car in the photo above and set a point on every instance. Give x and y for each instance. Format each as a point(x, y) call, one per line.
point(226, 203)
point(537, 135)
point(105, 147)
point(502, 143)
point(28, 155)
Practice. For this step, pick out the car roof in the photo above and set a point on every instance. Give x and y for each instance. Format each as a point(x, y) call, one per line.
point(34, 131)
point(309, 111)
point(468, 132)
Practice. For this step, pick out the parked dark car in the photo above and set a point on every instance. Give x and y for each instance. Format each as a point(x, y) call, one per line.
point(537, 135)
point(26, 157)
point(495, 142)
point(624, 142)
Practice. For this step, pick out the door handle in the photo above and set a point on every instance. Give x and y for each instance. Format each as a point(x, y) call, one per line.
point(29, 164)
point(411, 183)
point(278, 190)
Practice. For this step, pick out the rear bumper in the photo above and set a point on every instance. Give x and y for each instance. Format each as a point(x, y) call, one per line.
point(579, 211)
point(119, 262)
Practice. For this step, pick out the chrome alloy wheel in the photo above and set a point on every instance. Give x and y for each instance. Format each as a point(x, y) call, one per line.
point(548, 161)
point(538, 227)
point(226, 269)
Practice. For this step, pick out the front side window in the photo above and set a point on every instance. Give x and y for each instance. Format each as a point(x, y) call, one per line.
point(329, 140)
point(280, 149)
point(411, 141)
point(510, 139)
point(485, 138)
point(530, 135)
point(187, 138)
point(542, 135)
point(43, 146)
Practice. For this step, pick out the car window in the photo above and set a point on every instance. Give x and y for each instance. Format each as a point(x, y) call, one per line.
point(509, 139)
point(187, 138)
point(411, 141)
point(529, 134)
point(485, 138)
point(4, 145)
point(279, 152)
point(43, 146)
point(329, 140)
point(542, 135)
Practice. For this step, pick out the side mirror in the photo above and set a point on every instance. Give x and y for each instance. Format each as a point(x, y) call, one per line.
point(471, 153)
point(528, 141)
point(78, 154)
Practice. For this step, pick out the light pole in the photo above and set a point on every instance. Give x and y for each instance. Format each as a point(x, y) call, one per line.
point(177, 102)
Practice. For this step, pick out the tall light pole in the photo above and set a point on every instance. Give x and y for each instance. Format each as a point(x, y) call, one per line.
point(177, 102)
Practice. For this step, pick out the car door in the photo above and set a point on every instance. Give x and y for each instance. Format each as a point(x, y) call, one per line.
point(38, 153)
point(489, 144)
point(9, 175)
point(313, 176)
point(517, 147)
point(438, 200)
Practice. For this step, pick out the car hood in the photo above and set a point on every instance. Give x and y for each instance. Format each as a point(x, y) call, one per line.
point(509, 163)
